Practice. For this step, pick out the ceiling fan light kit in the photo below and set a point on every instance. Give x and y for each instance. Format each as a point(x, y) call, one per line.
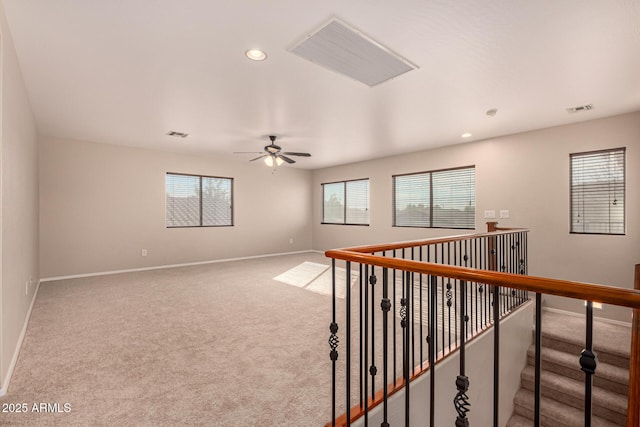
point(271, 160)
point(273, 155)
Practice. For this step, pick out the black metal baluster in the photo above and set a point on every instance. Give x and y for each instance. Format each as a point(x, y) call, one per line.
point(461, 401)
point(481, 286)
point(348, 339)
point(366, 347)
point(333, 343)
point(449, 295)
point(526, 259)
point(496, 353)
point(514, 254)
point(478, 299)
point(442, 298)
point(403, 319)
point(407, 368)
point(395, 374)
point(360, 302)
point(433, 347)
point(588, 363)
point(505, 301)
point(537, 361)
point(413, 304)
point(455, 298)
point(385, 305)
point(373, 370)
point(420, 302)
point(512, 291)
point(469, 301)
point(403, 324)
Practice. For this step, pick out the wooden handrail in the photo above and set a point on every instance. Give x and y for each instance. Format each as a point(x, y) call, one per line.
point(426, 242)
point(493, 226)
point(564, 288)
point(633, 409)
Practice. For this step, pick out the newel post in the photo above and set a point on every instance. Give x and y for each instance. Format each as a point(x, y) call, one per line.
point(633, 411)
point(493, 252)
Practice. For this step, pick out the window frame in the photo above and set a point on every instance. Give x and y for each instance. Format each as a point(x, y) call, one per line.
point(344, 182)
point(623, 150)
point(430, 173)
point(231, 201)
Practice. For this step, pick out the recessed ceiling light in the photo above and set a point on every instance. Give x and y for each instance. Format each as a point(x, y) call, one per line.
point(466, 135)
point(177, 134)
point(256, 55)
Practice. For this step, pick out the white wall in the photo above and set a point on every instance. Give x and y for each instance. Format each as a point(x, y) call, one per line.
point(102, 204)
point(19, 203)
point(527, 173)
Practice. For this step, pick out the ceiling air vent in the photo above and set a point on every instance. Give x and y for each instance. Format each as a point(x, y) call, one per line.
point(177, 134)
point(580, 108)
point(347, 51)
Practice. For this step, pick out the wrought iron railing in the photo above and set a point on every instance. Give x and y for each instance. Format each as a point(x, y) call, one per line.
point(437, 295)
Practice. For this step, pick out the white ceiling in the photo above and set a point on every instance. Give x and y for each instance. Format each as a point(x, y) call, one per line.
point(128, 71)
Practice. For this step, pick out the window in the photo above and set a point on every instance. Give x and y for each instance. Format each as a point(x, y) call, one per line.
point(346, 202)
point(198, 201)
point(436, 199)
point(597, 192)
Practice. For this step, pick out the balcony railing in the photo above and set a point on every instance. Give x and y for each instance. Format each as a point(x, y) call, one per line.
point(418, 302)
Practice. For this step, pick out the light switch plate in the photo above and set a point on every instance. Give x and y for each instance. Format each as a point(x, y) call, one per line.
point(504, 213)
point(489, 214)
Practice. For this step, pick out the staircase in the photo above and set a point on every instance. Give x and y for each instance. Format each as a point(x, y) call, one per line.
point(562, 381)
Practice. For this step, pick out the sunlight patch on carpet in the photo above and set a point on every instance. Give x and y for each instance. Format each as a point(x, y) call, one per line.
point(303, 274)
point(317, 278)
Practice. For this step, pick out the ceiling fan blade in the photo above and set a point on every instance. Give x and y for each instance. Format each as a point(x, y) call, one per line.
point(286, 159)
point(258, 158)
point(290, 153)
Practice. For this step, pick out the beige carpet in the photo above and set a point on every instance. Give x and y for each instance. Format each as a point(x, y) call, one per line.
point(219, 344)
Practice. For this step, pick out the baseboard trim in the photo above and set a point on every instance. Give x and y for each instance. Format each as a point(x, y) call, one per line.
point(16, 353)
point(602, 319)
point(160, 267)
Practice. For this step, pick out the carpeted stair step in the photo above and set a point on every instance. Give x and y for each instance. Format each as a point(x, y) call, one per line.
point(608, 377)
point(566, 333)
point(552, 413)
point(518, 421)
point(606, 404)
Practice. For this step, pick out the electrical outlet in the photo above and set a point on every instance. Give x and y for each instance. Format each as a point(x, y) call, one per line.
point(144, 252)
point(291, 240)
point(490, 214)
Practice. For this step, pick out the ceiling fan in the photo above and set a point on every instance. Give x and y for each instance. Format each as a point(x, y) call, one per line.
point(273, 154)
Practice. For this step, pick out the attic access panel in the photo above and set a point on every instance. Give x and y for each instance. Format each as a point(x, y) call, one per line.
point(340, 48)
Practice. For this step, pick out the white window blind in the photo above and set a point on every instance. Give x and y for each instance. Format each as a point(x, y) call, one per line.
point(346, 202)
point(198, 201)
point(216, 201)
point(333, 205)
point(454, 198)
point(183, 200)
point(357, 203)
point(412, 200)
point(598, 192)
point(436, 199)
